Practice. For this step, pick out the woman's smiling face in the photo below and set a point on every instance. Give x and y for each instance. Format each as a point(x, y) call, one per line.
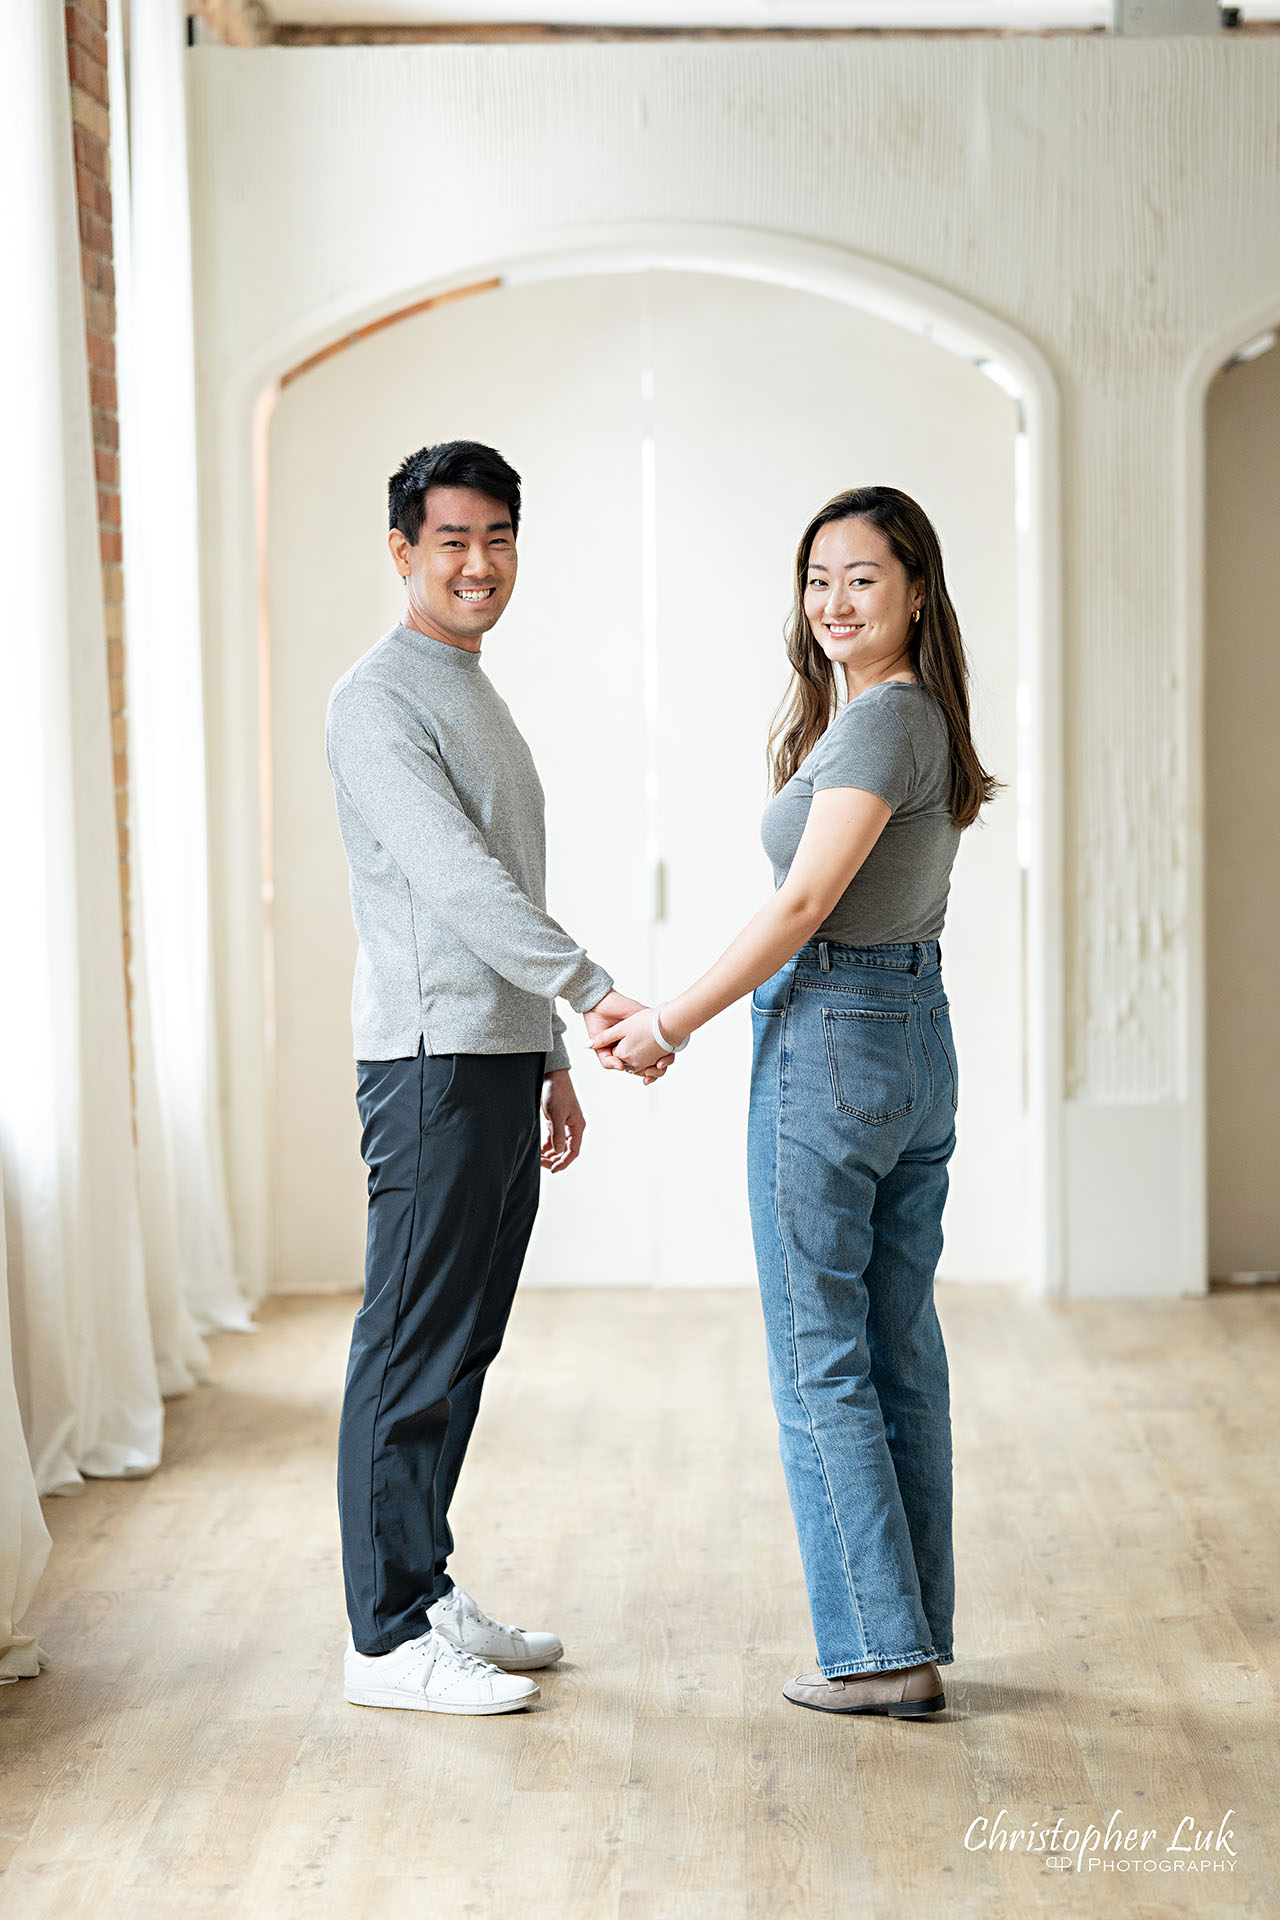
point(857, 597)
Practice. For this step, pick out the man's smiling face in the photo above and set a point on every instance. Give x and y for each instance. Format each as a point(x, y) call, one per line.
point(462, 570)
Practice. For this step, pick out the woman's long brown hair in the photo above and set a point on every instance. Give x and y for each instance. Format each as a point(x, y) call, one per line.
point(935, 645)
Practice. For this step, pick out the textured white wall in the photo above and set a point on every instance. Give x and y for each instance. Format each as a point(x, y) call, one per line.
point(1117, 202)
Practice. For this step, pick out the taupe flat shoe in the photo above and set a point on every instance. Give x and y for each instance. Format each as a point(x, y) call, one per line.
point(905, 1694)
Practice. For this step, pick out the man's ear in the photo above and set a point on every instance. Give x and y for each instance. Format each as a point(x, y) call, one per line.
point(400, 551)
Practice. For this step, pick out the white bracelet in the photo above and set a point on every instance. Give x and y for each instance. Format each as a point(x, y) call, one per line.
point(668, 1046)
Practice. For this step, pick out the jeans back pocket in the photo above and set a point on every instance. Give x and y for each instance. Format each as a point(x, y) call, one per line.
point(873, 1074)
point(942, 1027)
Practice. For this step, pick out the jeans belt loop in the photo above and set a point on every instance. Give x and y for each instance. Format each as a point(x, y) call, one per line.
point(824, 956)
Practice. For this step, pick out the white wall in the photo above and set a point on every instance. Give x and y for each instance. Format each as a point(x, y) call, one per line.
point(498, 368)
point(1242, 781)
point(759, 403)
point(1116, 202)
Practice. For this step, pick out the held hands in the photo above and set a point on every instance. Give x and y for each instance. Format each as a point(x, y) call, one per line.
point(625, 1040)
point(620, 1031)
point(632, 1045)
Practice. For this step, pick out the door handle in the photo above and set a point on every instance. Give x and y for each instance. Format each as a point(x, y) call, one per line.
point(659, 906)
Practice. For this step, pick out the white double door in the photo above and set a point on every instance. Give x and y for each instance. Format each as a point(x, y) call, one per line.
point(674, 432)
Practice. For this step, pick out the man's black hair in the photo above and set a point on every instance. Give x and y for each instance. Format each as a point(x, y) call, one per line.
point(454, 463)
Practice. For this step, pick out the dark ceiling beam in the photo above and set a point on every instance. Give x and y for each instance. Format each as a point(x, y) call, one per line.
point(247, 23)
point(485, 33)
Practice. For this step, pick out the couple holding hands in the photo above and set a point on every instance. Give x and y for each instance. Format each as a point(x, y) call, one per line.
point(459, 1050)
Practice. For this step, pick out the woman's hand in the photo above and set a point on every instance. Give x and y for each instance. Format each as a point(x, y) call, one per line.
point(634, 1046)
point(607, 1013)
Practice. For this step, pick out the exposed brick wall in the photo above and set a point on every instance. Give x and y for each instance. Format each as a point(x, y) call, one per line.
point(87, 72)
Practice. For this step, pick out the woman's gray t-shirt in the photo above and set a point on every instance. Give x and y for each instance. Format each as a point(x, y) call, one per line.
point(891, 740)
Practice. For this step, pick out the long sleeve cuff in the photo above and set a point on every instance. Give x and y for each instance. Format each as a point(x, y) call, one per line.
point(558, 1056)
point(587, 984)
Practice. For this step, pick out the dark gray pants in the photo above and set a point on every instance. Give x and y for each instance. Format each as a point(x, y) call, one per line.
point(452, 1147)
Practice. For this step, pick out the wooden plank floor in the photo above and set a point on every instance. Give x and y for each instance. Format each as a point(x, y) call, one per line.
point(190, 1753)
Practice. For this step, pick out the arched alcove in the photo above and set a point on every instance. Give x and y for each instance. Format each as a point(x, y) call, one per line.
point(948, 325)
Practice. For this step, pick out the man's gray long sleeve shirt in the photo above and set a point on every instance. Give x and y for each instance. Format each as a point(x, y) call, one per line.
point(442, 816)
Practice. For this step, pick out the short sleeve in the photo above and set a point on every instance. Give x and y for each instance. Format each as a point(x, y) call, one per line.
point(866, 746)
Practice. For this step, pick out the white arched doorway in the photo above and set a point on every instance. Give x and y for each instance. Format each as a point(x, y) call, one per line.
point(1231, 397)
point(879, 297)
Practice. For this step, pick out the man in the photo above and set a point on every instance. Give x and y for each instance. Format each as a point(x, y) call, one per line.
point(457, 1045)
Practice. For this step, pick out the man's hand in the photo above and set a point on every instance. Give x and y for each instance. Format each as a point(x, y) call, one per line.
point(614, 1008)
point(563, 1121)
point(606, 1013)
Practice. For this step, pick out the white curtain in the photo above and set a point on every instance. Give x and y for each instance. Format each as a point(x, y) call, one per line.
point(85, 1375)
point(24, 1538)
point(113, 1254)
point(183, 1189)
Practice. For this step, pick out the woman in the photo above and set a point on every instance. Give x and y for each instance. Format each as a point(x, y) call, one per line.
point(853, 1089)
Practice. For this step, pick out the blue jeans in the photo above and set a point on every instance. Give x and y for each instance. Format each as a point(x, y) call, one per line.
point(852, 1123)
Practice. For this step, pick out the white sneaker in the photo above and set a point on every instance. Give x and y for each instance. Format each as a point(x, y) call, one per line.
point(460, 1621)
point(433, 1675)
